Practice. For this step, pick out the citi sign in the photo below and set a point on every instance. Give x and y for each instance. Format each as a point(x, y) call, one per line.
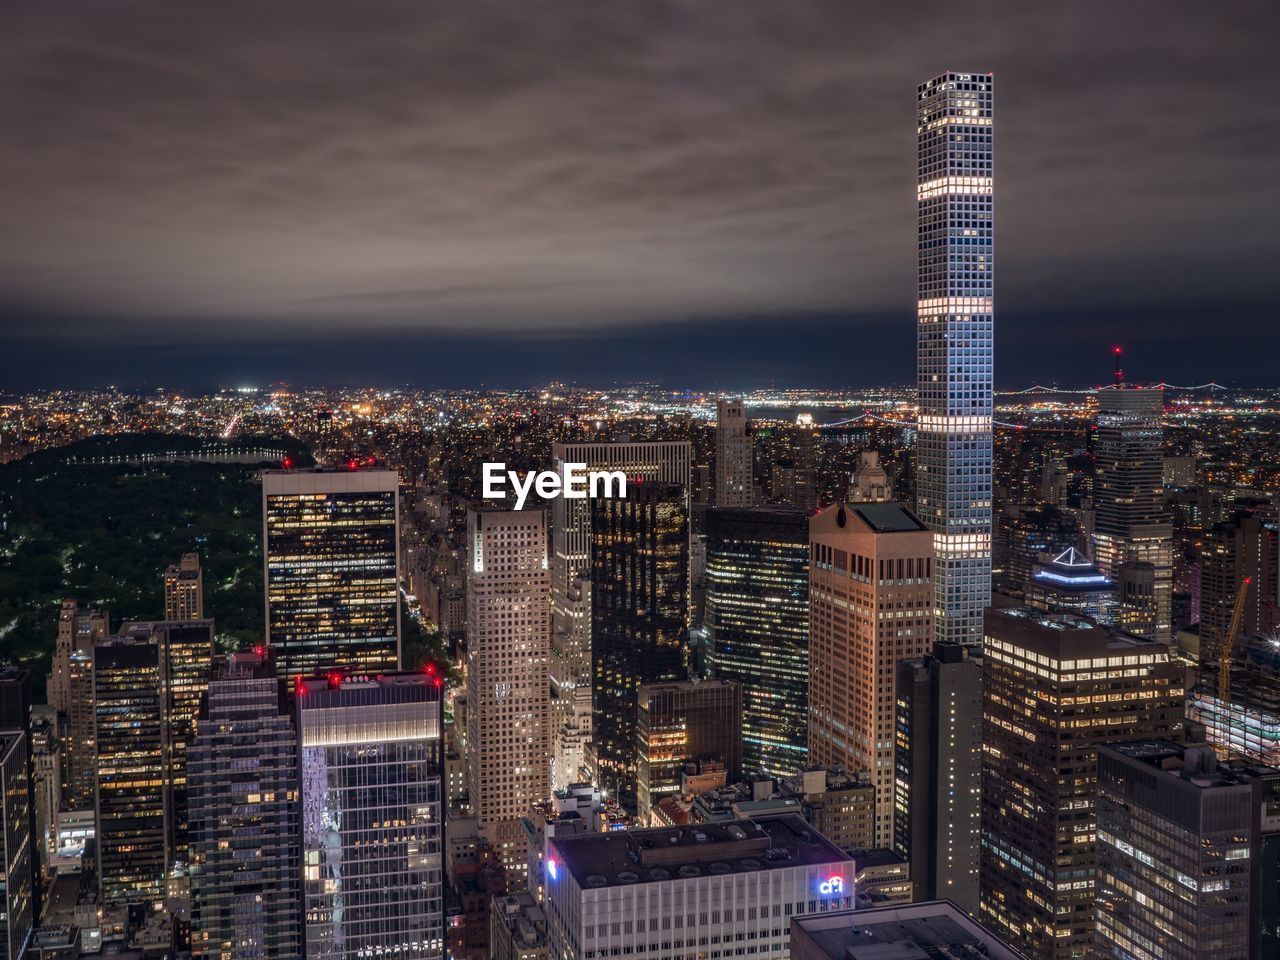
point(573, 481)
point(831, 885)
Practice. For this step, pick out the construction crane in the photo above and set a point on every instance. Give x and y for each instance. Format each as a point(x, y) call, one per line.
point(1226, 651)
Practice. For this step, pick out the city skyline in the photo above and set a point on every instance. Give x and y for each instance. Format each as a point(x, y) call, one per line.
point(203, 200)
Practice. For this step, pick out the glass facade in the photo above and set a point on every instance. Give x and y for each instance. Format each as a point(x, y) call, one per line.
point(331, 570)
point(758, 623)
point(16, 875)
point(955, 321)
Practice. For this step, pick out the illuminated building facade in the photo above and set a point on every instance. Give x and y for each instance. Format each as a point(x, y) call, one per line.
point(1071, 583)
point(955, 320)
point(733, 455)
point(1133, 533)
point(639, 618)
point(1055, 687)
point(242, 770)
point(133, 827)
point(78, 631)
point(871, 604)
point(1240, 553)
point(757, 618)
point(691, 891)
point(937, 800)
point(1248, 726)
point(667, 461)
point(81, 747)
point(371, 768)
point(331, 549)
point(680, 723)
point(508, 696)
point(1188, 854)
point(184, 589)
point(19, 854)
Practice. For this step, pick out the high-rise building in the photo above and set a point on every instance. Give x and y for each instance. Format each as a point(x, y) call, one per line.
point(242, 776)
point(78, 630)
point(1239, 554)
point(371, 768)
point(667, 461)
point(1188, 862)
point(80, 752)
point(17, 892)
point(757, 621)
point(508, 697)
point(1055, 687)
point(518, 929)
point(938, 773)
point(15, 714)
point(1071, 583)
point(691, 891)
point(934, 929)
point(1133, 534)
point(733, 455)
point(639, 618)
point(184, 589)
point(131, 802)
point(684, 722)
point(46, 752)
point(871, 604)
point(331, 554)
point(955, 320)
point(870, 483)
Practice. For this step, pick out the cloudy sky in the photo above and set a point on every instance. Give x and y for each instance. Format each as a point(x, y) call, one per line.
point(710, 192)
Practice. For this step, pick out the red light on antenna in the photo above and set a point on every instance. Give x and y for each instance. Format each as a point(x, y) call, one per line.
point(1117, 350)
point(287, 463)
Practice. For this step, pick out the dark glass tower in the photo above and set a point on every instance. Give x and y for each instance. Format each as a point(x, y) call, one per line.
point(18, 850)
point(331, 550)
point(639, 614)
point(758, 623)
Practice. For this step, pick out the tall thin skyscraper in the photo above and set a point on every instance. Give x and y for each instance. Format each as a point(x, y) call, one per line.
point(508, 696)
point(184, 589)
point(331, 552)
point(640, 617)
point(1133, 534)
point(665, 461)
point(242, 775)
point(78, 631)
point(870, 605)
point(17, 846)
point(758, 628)
point(733, 455)
point(372, 795)
point(955, 319)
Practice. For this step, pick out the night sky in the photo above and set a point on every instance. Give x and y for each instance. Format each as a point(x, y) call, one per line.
point(717, 193)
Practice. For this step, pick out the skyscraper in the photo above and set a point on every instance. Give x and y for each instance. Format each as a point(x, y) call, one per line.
point(733, 455)
point(1242, 553)
point(130, 802)
point(684, 722)
point(371, 768)
point(938, 773)
point(1188, 854)
point(666, 461)
point(184, 589)
point(870, 605)
point(331, 554)
point(78, 630)
point(80, 751)
point(639, 614)
point(1133, 534)
point(1055, 687)
point(954, 331)
point(757, 620)
point(508, 697)
point(17, 893)
point(242, 776)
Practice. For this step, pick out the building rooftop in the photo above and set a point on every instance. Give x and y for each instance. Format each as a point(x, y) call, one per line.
point(887, 517)
point(620, 858)
point(919, 931)
point(1197, 765)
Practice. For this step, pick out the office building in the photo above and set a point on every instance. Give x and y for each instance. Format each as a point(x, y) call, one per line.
point(78, 630)
point(1072, 583)
point(508, 697)
point(667, 461)
point(1133, 534)
point(870, 483)
point(46, 785)
point(1188, 861)
point(518, 929)
point(639, 618)
point(1239, 554)
point(1247, 724)
point(871, 604)
point(17, 869)
point(371, 768)
point(242, 781)
point(688, 891)
point(955, 320)
point(80, 751)
point(931, 929)
point(131, 802)
point(1055, 687)
point(734, 474)
point(757, 621)
point(937, 801)
point(684, 722)
point(184, 589)
point(331, 554)
point(840, 805)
